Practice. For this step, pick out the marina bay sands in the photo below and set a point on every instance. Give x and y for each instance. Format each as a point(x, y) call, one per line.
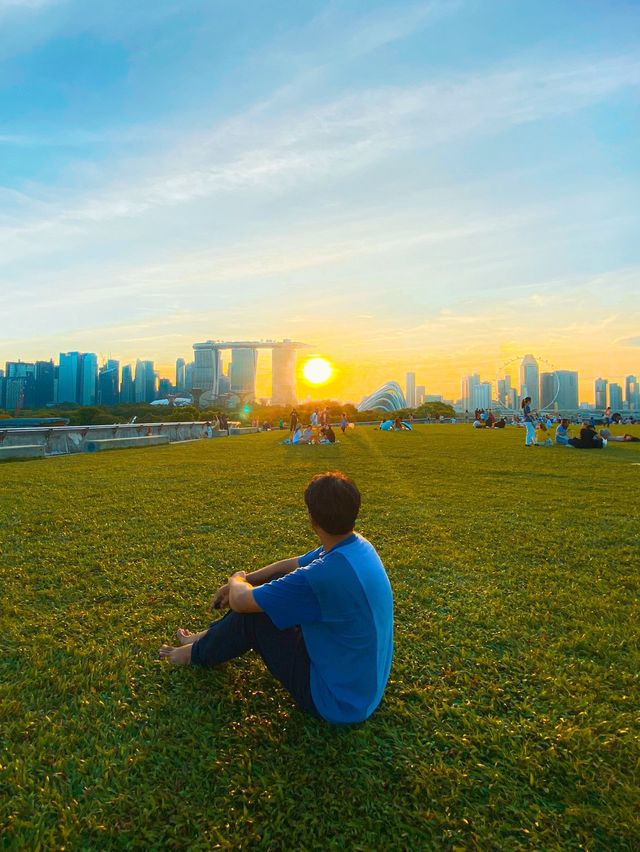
point(211, 382)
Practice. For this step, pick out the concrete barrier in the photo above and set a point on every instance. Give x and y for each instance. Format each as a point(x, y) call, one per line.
point(61, 440)
point(24, 451)
point(125, 443)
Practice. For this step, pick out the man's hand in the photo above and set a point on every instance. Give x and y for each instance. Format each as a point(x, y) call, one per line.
point(239, 575)
point(221, 599)
point(241, 594)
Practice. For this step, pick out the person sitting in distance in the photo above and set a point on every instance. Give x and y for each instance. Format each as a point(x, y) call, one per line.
point(626, 438)
point(588, 440)
point(327, 435)
point(322, 622)
point(307, 436)
point(562, 433)
point(543, 438)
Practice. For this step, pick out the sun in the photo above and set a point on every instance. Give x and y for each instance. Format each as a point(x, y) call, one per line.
point(317, 371)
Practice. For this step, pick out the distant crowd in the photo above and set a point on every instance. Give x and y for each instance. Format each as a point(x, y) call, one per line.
point(539, 428)
point(220, 423)
point(319, 429)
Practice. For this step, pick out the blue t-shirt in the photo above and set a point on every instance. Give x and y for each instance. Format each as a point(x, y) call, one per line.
point(343, 602)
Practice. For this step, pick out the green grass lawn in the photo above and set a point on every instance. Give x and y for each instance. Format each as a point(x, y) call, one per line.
point(511, 718)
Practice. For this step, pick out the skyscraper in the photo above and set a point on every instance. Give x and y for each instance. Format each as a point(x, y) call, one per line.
point(283, 375)
point(69, 377)
point(45, 383)
point(188, 376)
point(601, 393)
point(127, 391)
point(632, 393)
point(18, 385)
point(513, 399)
point(88, 384)
point(468, 384)
point(504, 386)
point(548, 390)
point(420, 391)
point(411, 390)
point(108, 382)
point(481, 395)
point(145, 381)
point(529, 380)
point(242, 372)
point(180, 374)
point(206, 367)
point(615, 396)
point(567, 399)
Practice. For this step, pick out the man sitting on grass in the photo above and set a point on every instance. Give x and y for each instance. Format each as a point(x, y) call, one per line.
point(322, 622)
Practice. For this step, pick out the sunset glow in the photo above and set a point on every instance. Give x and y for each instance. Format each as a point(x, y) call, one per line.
point(458, 187)
point(317, 371)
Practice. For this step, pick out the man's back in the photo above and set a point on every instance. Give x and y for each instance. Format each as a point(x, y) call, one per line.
point(343, 602)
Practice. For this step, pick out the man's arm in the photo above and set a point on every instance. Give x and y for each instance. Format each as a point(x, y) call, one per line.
point(264, 575)
point(241, 594)
point(256, 578)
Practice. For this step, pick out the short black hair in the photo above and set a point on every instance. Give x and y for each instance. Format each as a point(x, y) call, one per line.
point(333, 501)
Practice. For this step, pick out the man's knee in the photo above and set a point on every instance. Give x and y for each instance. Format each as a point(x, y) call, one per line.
point(250, 625)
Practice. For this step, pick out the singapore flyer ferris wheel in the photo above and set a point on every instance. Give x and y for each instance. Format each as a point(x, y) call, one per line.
point(537, 377)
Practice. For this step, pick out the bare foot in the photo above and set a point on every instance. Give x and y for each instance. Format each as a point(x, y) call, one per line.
point(177, 656)
point(186, 637)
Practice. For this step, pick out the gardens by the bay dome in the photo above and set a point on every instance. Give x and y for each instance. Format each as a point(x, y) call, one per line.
point(388, 397)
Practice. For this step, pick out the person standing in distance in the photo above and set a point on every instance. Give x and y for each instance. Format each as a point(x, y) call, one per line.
point(527, 419)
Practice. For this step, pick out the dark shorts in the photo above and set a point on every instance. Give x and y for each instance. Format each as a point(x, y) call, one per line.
point(283, 651)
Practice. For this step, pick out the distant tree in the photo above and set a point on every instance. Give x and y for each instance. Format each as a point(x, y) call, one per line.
point(434, 410)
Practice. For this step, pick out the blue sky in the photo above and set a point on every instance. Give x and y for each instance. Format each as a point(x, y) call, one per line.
point(435, 186)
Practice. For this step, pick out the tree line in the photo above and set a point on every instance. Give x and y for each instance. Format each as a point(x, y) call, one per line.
point(103, 415)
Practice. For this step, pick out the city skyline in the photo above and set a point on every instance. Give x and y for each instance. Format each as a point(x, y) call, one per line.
point(79, 378)
point(435, 187)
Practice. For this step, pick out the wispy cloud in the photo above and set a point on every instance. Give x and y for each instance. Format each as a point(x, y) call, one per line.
point(14, 6)
point(332, 37)
point(303, 146)
point(251, 260)
point(25, 5)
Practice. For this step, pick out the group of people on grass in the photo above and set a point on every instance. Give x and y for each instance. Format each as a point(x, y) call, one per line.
point(483, 419)
point(319, 429)
point(539, 429)
point(396, 424)
point(310, 435)
point(538, 432)
point(220, 423)
point(317, 418)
